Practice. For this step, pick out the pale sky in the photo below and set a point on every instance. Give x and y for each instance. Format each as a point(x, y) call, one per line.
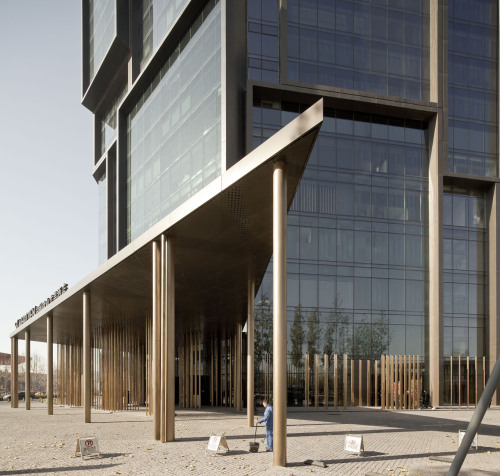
point(48, 198)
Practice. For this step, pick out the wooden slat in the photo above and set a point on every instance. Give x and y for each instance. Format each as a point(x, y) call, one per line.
point(335, 381)
point(325, 381)
point(345, 380)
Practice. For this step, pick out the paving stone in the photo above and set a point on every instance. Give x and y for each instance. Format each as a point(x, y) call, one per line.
point(397, 443)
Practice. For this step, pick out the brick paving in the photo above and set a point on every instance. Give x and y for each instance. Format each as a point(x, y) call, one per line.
point(410, 443)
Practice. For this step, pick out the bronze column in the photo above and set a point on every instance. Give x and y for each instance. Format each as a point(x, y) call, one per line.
point(163, 345)
point(438, 140)
point(50, 366)
point(279, 312)
point(250, 353)
point(237, 370)
point(155, 365)
point(27, 363)
point(14, 385)
point(86, 356)
point(169, 319)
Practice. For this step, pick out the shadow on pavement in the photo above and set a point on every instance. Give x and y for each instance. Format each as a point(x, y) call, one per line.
point(58, 469)
point(392, 420)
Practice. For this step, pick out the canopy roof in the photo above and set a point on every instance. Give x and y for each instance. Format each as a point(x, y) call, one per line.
point(222, 237)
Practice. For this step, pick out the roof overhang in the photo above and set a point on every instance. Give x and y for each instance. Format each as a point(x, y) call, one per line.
point(222, 238)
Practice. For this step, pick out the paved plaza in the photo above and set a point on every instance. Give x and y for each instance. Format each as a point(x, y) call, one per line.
point(410, 443)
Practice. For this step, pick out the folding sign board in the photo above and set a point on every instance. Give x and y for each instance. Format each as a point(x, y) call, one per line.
point(88, 446)
point(354, 444)
point(461, 434)
point(217, 441)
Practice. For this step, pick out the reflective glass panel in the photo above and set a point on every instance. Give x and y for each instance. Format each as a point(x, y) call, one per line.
point(158, 16)
point(174, 136)
point(362, 230)
point(378, 47)
point(102, 19)
point(464, 264)
point(473, 87)
point(262, 37)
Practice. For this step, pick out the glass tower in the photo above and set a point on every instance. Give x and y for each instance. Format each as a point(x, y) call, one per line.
point(392, 232)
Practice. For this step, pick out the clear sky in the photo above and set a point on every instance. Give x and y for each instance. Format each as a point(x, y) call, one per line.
point(48, 198)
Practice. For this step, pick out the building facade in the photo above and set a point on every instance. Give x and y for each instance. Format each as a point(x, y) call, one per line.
point(391, 235)
point(393, 224)
point(391, 229)
point(411, 90)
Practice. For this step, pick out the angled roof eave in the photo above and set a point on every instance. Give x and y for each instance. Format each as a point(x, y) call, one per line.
point(210, 230)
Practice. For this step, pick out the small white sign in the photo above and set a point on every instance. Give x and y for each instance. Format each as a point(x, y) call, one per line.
point(217, 441)
point(354, 444)
point(461, 434)
point(88, 446)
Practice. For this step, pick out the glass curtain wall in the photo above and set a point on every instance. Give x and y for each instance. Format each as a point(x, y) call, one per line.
point(109, 124)
point(102, 20)
point(465, 280)
point(357, 235)
point(158, 16)
point(174, 131)
point(377, 47)
point(473, 86)
point(263, 49)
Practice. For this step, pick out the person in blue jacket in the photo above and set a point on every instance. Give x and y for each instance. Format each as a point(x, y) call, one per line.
point(268, 419)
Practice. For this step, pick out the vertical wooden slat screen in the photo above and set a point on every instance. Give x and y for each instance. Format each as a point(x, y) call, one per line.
point(116, 380)
point(121, 374)
point(69, 373)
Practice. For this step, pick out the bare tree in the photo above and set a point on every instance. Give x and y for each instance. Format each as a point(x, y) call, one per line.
point(263, 330)
point(38, 374)
point(313, 336)
point(297, 338)
point(371, 340)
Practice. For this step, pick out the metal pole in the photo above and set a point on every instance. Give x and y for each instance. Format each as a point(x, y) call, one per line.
point(155, 364)
point(279, 312)
point(14, 362)
point(250, 353)
point(163, 345)
point(50, 367)
point(27, 362)
point(170, 338)
point(86, 356)
point(238, 367)
point(476, 419)
point(326, 359)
